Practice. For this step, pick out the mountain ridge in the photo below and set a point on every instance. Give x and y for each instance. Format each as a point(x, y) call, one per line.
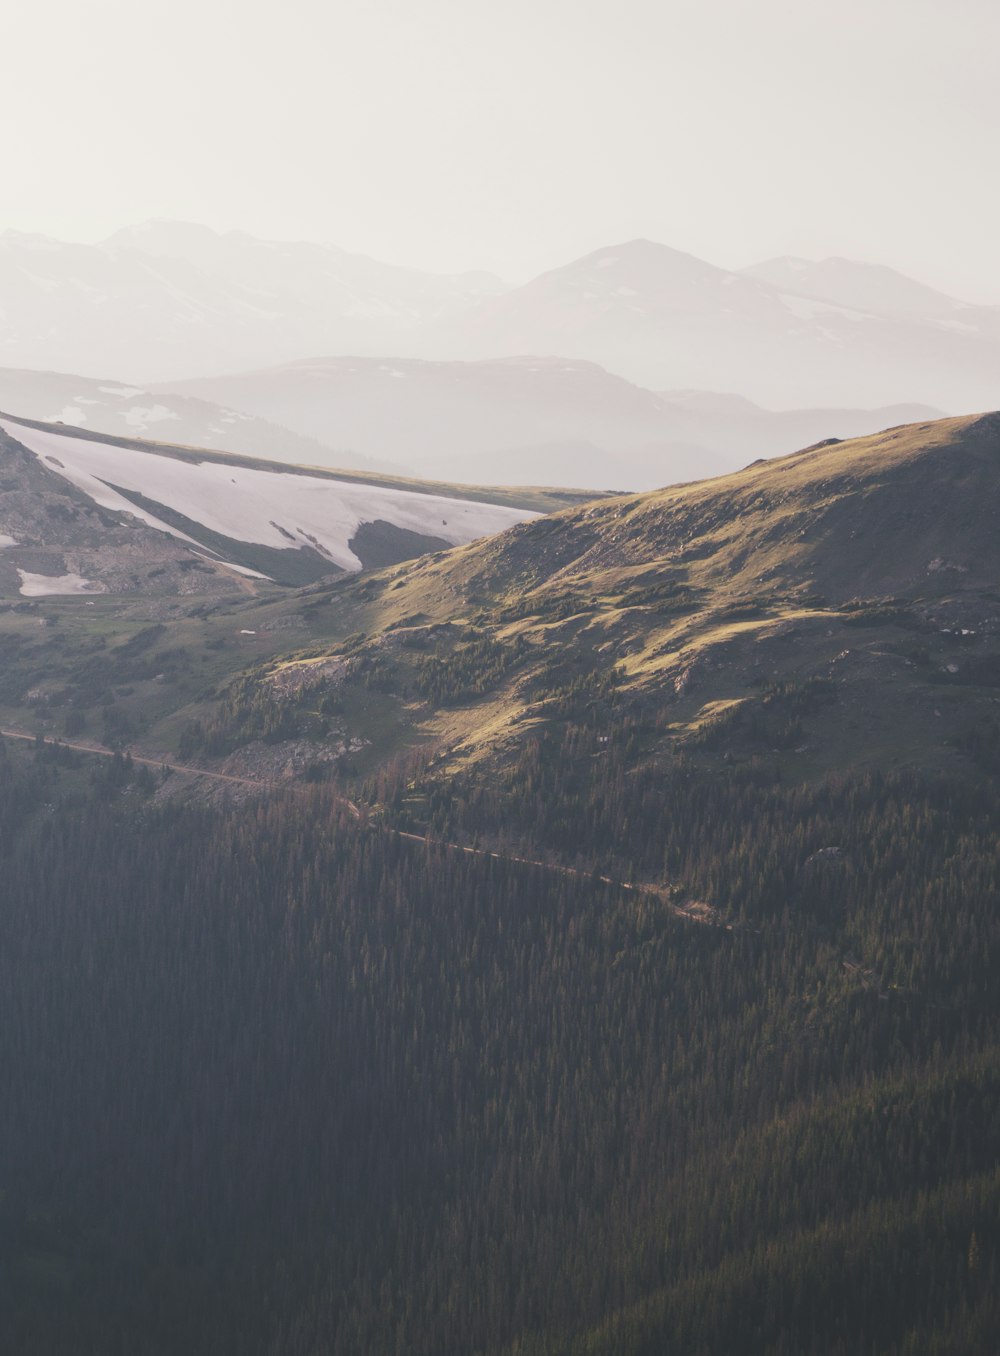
point(862, 570)
point(866, 567)
point(666, 319)
point(229, 296)
point(462, 418)
point(645, 311)
point(851, 282)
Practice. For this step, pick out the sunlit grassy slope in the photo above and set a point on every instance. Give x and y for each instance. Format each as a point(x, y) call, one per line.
point(838, 607)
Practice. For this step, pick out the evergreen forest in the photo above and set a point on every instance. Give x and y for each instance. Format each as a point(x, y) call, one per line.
point(279, 1080)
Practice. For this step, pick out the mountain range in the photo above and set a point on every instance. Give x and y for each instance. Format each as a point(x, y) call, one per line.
point(512, 422)
point(169, 300)
point(174, 299)
point(667, 319)
point(520, 421)
point(125, 411)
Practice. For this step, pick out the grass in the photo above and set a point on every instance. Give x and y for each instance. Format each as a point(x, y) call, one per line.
point(702, 598)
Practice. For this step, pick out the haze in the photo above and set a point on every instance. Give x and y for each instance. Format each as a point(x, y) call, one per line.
point(450, 135)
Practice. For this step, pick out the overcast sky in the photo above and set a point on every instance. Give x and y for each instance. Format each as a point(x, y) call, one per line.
point(516, 134)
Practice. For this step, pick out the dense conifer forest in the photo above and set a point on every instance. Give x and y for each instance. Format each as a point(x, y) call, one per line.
point(280, 1081)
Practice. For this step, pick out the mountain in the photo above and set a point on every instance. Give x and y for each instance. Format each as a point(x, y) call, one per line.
point(508, 421)
point(874, 289)
point(666, 319)
point(174, 298)
point(861, 569)
point(865, 570)
point(108, 406)
point(84, 513)
point(580, 940)
point(525, 420)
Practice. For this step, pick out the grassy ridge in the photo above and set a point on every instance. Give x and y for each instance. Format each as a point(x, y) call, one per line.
point(539, 498)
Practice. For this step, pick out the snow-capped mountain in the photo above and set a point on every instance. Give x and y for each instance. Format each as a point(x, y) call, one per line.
point(666, 319)
point(108, 406)
point(171, 298)
point(527, 420)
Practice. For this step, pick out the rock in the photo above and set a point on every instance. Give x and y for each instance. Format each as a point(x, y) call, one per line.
point(826, 854)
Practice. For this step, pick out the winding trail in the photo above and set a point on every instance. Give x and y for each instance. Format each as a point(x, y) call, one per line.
point(690, 911)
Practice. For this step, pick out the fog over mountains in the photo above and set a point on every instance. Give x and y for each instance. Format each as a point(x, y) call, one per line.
point(109, 406)
point(666, 319)
point(526, 420)
point(517, 421)
point(171, 300)
point(634, 366)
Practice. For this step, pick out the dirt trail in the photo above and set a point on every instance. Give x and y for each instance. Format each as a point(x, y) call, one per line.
point(690, 911)
point(102, 752)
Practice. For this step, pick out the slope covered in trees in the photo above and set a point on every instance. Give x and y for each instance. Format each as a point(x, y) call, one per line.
point(279, 1082)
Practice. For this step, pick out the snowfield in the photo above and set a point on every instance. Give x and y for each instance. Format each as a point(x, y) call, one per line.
point(46, 585)
point(268, 507)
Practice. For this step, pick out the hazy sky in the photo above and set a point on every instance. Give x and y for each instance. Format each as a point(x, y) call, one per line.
point(516, 134)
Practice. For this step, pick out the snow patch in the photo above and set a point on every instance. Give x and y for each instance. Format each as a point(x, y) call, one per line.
point(46, 585)
point(141, 416)
point(69, 414)
point(124, 392)
point(5, 540)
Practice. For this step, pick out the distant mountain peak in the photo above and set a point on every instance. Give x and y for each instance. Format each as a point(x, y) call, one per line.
point(875, 288)
point(640, 253)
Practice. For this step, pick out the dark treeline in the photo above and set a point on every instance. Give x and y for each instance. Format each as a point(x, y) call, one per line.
point(277, 1083)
